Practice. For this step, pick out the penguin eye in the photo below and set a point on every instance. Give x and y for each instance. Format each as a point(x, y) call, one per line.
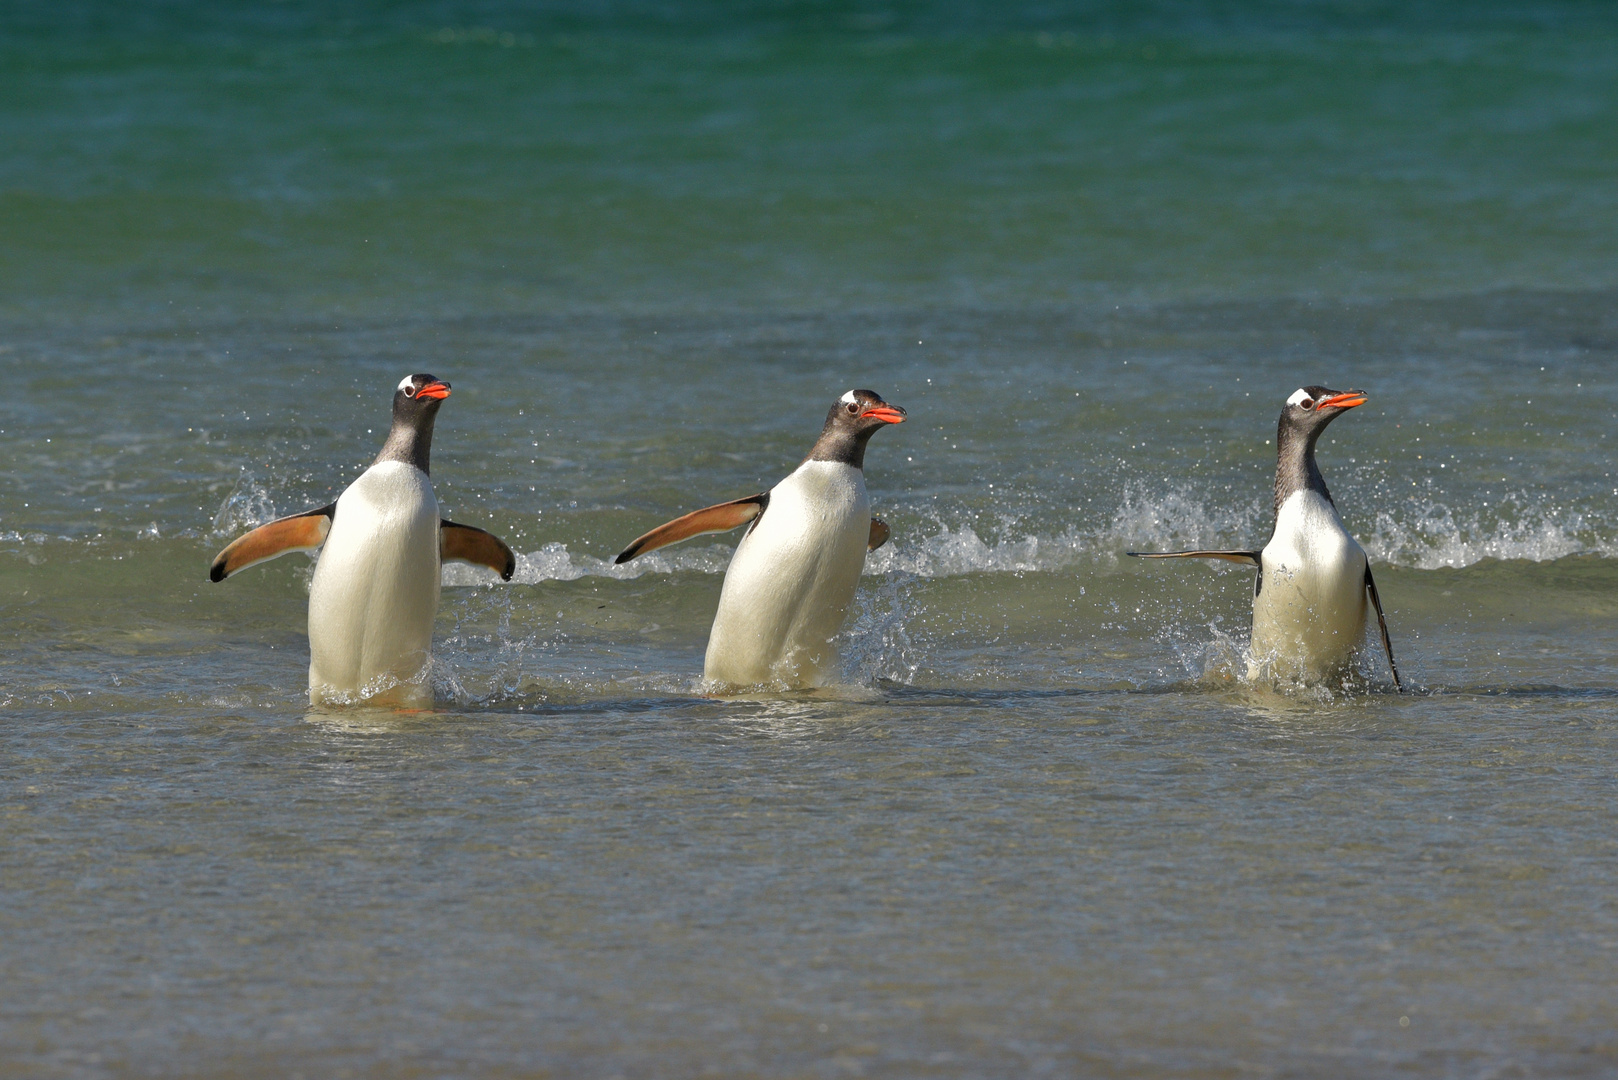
point(852, 408)
point(1306, 404)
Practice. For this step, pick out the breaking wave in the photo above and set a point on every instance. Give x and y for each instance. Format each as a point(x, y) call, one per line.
point(1418, 535)
point(554, 562)
point(1428, 536)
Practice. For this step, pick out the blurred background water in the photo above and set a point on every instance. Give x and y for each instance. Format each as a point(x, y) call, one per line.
point(1039, 829)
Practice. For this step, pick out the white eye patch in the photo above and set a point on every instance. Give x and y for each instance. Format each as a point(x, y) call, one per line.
point(1299, 396)
point(405, 385)
point(848, 398)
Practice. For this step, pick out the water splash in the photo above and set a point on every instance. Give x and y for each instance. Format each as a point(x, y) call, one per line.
point(412, 692)
point(876, 642)
point(1177, 519)
point(246, 507)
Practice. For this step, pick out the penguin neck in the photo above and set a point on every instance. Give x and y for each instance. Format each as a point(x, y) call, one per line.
point(837, 443)
point(1295, 468)
point(410, 440)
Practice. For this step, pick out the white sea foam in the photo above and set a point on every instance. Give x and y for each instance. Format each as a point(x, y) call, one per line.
point(1427, 536)
point(1422, 535)
point(1142, 521)
point(554, 562)
point(946, 553)
point(952, 552)
point(1427, 540)
point(1419, 534)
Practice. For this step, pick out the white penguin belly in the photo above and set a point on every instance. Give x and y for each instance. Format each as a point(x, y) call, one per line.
point(375, 590)
point(791, 580)
point(1309, 613)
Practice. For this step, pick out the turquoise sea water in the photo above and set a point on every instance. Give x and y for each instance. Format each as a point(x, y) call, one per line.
point(1039, 828)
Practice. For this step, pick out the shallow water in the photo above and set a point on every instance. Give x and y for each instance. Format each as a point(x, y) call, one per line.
point(1039, 828)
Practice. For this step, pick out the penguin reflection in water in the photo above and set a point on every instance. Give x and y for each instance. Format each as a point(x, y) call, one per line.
point(375, 589)
point(795, 571)
point(1309, 602)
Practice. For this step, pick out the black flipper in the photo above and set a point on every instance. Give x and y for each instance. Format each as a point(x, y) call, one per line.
point(1381, 621)
point(469, 544)
point(1248, 557)
point(296, 532)
point(710, 519)
point(879, 534)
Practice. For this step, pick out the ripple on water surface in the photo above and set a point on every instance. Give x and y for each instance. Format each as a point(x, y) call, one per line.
point(1038, 826)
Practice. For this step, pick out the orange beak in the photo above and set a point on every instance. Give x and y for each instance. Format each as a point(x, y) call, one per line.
point(888, 414)
point(1342, 401)
point(435, 390)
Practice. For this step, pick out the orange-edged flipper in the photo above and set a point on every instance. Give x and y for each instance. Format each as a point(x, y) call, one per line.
point(879, 534)
point(710, 519)
point(299, 532)
point(464, 543)
point(1382, 622)
point(1248, 557)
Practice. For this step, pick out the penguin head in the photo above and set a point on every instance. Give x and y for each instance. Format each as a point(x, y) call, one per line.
point(415, 407)
point(862, 412)
point(1311, 408)
point(1305, 416)
point(418, 397)
point(853, 419)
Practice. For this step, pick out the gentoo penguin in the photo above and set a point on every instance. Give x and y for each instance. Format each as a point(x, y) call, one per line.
point(1309, 601)
point(375, 590)
point(795, 571)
